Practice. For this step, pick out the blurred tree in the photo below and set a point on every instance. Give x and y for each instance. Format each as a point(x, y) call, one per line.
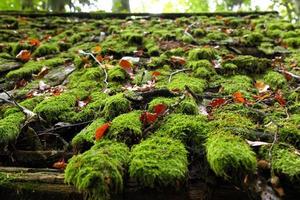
point(121, 6)
point(231, 5)
point(290, 8)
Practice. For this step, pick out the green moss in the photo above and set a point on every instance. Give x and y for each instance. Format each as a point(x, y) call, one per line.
point(54, 108)
point(199, 32)
point(99, 171)
point(117, 74)
point(10, 128)
point(237, 83)
point(160, 100)
point(159, 161)
point(87, 135)
point(126, 128)
point(229, 68)
point(179, 81)
point(290, 130)
point(229, 155)
point(133, 38)
point(17, 47)
point(46, 49)
point(77, 37)
point(217, 36)
point(34, 67)
point(275, 80)
point(116, 105)
point(286, 161)
point(160, 61)
point(199, 64)
point(253, 39)
point(184, 127)
point(207, 53)
point(292, 42)
point(250, 64)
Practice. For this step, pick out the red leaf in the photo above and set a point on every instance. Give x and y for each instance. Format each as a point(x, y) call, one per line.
point(96, 49)
point(217, 102)
point(99, 58)
point(160, 109)
point(101, 131)
point(34, 42)
point(279, 98)
point(238, 97)
point(148, 118)
point(156, 73)
point(60, 164)
point(24, 55)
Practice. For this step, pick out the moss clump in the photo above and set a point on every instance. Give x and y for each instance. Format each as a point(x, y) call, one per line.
point(116, 105)
point(126, 128)
point(87, 135)
point(286, 161)
point(216, 36)
point(290, 130)
point(46, 49)
point(10, 127)
point(228, 155)
point(54, 108)
point(181, 80)
point(188, 106)
point(99, 171)
point(133, 38)
point(117, 74)
point(275, 80)
point(292, 42)
point(250, 64)
point(33, 67)
point(160, 100)
point(184, 127)
point(236, 83)
point(199, 64)
point(207, 53)
point(159, 161)
point(253, 39)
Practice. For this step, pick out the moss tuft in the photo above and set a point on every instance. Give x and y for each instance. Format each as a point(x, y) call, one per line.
point(99, 171)
point(117, 74)
point(275, 80)
point(46, 49)
point(228, 155)
point(159, 161)
point(126, 128)
point(207, 53)
point(116, 105)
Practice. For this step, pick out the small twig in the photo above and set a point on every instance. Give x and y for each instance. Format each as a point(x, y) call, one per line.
point(29, 114)
point(176, 72)
point(290, 74)
point(99, 63)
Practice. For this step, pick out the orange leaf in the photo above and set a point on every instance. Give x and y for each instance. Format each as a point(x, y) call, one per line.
point(96, 49)
point(34, 42)
point(261, 86)
point(217, 102)
point(21, 83)
point(101, 131)
point(160, 109)
point(99, 58)
point(156, 73)
point(148, 118)
point(238, 97)
point(60, 164)
point(178, 60)
point(126, 65)
point(24, 55)
point(279, 98)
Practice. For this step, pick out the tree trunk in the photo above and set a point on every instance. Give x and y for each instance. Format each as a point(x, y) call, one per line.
point(121, 6)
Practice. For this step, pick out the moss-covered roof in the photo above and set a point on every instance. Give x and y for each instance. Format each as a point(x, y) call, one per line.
point(146, 98)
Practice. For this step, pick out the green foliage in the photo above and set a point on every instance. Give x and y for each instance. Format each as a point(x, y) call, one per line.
point(46, 49)
point(126, 128)
point(99, 171)
point(275, 80)
point(236, 83)
point(117, 74)
point(202, 53)
point(159, 161)
point(228, 154)
point(87, 135)
point(179, 81)
point(116, 105)
point(184, 127)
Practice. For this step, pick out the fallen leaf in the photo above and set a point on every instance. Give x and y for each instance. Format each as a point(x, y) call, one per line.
point(60, 164)
point(217, 102)
point(96, 49)
point(178, 60)
point(148, 118)
point(83, 103)
point(261, 86)
point(279, 98)
point(160, 109)
point(257, 143)
point(101, 131)
point(24, 55)
point(21, 83)
point(42, 73)
point(43, 86)
point(99, 58)
point(34, 42)
point(156, 73)
point(126, 65)
point(238, 97)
